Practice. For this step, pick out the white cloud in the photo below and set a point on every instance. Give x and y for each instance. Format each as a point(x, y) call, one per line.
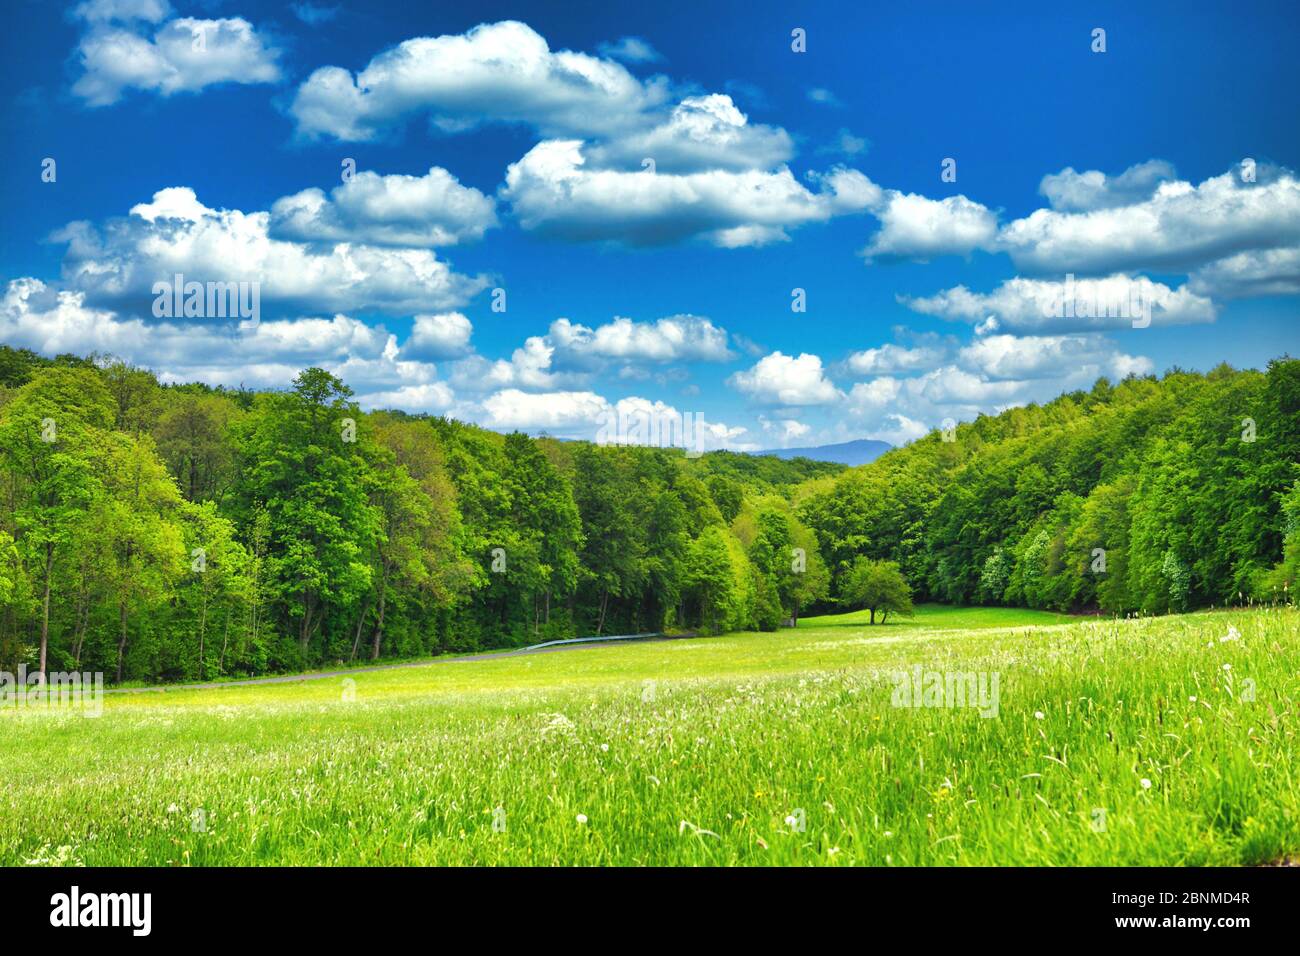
point(176, 233)
point(394, 210)
point(184, 56)
point(268, 355)
point(430, 397)
point(1050, 357)
point(678, 338)
point(1070, 191)
point(1101, 303)
point(571, 354)
point(1179, 227)
point(891, 358)
point(1264, 272)
point(701, 132)
point(553, 193)
point(780, 379)
point(590, 416)
point(501, 72)
point(445, 335)
point(917, 227)
point(104, 11)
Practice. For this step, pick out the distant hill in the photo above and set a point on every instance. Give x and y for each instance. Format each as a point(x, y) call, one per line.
point(856, 452)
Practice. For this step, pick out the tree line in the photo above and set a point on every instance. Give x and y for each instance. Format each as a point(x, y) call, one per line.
point(181, 532)
point(1145, 496)
point(161, 532)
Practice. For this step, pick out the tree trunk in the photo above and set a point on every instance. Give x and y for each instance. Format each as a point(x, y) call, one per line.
point(203, 626)
point(604, 603)
point(45, 617)
point(225, 642)
point(356, 640)
point(121, 644)
point(79, 636)
point(304, 632)
point(873, 614)
point(379, 628)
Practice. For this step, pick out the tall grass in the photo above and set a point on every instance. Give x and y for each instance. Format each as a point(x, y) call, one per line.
point(1116, 742)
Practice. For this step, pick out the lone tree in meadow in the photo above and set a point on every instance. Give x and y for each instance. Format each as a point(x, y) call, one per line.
point(877, 586)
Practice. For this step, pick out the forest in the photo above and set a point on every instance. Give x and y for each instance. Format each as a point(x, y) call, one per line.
point(162, 532)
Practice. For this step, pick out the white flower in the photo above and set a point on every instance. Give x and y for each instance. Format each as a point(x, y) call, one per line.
point(1227, 667)
point(1146, 784)
point(1192, 698)
point(605, 748)
point(791, 820)
point(581, 818)
point(1232, 635)
point(172, 808)
point(1038, 715)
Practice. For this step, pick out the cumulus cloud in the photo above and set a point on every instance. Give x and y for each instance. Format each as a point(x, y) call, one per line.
point(677, 338)
point(502, 72)
point(988, 375)
point(780, 379)
point(553, 192)
point(267, 355)
point(117, 264)
point(571, 354)
point(1263, 272)
point(917, 227)
point(701, 132)
point(590, 416)
point(1071, 191)
point(1050, 356)
point(394, 210)
point(184, 55)
point(890, 358)
point(1179, 227)
point(1078, 304)
point(441, 336)
point(105, 11)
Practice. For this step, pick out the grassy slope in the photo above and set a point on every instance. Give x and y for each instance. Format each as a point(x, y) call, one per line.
point(696, 751)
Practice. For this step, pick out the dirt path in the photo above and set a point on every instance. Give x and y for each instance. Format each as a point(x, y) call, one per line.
point(576, 644)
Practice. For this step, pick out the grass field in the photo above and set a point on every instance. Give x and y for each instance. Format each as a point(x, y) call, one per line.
point(1115, 742)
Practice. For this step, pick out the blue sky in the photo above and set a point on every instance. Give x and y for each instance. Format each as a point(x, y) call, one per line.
point(501, 146)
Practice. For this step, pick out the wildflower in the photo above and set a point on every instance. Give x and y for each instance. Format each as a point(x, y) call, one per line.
point(1038, 715)
point(581, 818)
point(605, 748)
point(1146, 784)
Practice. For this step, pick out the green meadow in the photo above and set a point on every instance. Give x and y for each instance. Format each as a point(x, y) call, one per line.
point(1144, 741)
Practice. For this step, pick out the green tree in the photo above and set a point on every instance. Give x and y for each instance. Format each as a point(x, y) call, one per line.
point(877, 586)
